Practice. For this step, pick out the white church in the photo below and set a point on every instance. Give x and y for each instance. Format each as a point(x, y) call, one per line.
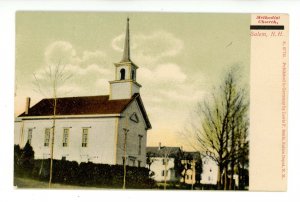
point(105, 129)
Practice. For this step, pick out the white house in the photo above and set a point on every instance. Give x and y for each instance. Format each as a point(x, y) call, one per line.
point(210, 171)
point(209, 174)
point(99, 129)
point(161, 161)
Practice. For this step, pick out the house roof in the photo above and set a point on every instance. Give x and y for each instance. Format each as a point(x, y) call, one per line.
point(171, 152)
point(162, 151)
point(193, 155)
point(88, 105)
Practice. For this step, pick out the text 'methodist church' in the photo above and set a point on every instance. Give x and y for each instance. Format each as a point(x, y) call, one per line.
point(91, 128)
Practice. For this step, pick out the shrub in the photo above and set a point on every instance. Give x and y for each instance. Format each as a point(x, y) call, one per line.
point(23, 160)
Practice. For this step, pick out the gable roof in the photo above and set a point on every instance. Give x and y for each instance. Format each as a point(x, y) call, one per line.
point(194, 155)
point(142, 108)
point(87, 105)
point(78, 106)
point(162, 151)
point(171, 152)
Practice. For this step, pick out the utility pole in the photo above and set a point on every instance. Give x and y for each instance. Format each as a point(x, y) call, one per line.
point(126, 130)
point(165, 174)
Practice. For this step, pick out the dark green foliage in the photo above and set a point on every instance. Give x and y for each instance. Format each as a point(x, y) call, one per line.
point(198, 168)
point(88, 174)
point(23, 160)
point(179, 167)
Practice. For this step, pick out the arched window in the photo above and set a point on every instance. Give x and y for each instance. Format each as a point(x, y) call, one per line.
point(132, 75)
point(122, 72)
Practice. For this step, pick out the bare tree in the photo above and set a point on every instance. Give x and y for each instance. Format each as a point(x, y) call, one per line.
point(217, 129)
point(48, 83)
point(167, 151)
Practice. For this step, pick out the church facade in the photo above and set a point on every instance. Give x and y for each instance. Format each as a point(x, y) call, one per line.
point(107, 129)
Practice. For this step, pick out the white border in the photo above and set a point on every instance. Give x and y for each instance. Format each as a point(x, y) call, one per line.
point(7, 58)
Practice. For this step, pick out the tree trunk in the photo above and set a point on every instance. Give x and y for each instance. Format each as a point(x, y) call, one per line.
point(165, 174)
point(219, 183)
point(225, 178)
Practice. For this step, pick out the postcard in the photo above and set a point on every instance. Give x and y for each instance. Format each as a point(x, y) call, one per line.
point(163, 101)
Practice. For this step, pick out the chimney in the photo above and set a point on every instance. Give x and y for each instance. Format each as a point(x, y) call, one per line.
point(159, 145)
point(27, 105)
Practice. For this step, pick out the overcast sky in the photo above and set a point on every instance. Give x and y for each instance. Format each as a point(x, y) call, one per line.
point(181, 57)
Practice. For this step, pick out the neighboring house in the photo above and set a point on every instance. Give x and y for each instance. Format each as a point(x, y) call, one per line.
point(162, 162)
point(190, 161)
point(91, 128)
point(209, 171)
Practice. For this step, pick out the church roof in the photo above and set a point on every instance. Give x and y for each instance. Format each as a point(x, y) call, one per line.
point(88, 105)
point(78, 106)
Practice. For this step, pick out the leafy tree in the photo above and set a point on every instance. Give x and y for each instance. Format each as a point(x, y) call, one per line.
point(149, 161)
point(179, 167)
point(220, 126)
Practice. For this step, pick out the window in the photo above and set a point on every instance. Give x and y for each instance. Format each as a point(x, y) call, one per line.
point(29, 137)
point(132, 162)
point(132, 75)
point(47, 137)
point(163, 173)
point(122, 72)
point(140, 145)
point(134, 118)
point(187, 177)
point(63, 158)
point(139, 163)
point(165, 161)
point(65, 137)
point(84, 137)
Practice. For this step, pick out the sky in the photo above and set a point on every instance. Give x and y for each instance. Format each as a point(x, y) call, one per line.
point(181, 56)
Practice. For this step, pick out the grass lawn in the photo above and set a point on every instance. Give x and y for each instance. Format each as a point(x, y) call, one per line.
point(28, 183)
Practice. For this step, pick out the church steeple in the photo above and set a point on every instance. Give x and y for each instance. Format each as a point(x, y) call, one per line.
point(126, 53)
point(125, 85)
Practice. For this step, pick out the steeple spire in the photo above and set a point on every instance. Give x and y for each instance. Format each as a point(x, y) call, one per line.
point(126, 53)
point(125, 84)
